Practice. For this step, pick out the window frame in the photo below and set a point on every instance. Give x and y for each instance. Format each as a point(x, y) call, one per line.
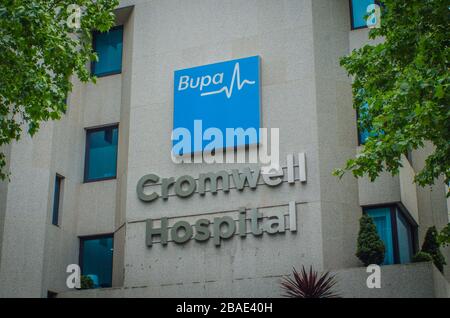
point(94, 34)
point(395, 208)
point(352, 21)
point(84, 238)
point(86, 152)
point(60, 178)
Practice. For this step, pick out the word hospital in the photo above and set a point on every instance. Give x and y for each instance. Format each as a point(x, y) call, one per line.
point(223, 227)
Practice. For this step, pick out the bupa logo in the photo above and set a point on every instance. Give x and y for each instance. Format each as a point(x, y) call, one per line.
point(186, 82)
point(220, 96)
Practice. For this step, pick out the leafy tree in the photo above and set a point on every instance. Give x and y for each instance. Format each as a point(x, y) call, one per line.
point(431, 246)
point(41, 47)
point(370, 248)
point(401, 87)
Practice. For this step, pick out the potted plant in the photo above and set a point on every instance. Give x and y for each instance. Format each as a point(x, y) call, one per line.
point(370, 248)
point(430, 250)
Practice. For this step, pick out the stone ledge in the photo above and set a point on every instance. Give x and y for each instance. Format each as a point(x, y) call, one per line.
point(397, 281)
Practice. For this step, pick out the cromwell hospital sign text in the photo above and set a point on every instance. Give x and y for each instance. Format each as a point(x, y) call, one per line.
point(220, 227)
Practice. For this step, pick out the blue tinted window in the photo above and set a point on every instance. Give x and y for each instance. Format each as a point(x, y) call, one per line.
point(397, 236)
point(101, 153)
point(405, 247)
point(363, 133)
point(96, 258)
point(108, 46)
point(382, 220)
point(56, 199)
point(359, 11)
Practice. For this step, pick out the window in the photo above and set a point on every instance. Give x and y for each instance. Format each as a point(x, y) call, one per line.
point(57, 198)
point(382, 220)
point(405, 239)
point(101, 153)
point(397, 231)
point(358, 11)
point(108, 46)
point(96, 257)
point(363, 116)
point(363, 134)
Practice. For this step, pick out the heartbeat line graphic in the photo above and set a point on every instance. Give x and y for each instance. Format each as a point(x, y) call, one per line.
point(236, 78)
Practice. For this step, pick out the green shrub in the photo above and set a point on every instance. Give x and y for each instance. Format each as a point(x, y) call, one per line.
point(422, 257)
point(431, 246)
point(370, 248)
point(444, 236)
point(86, 282)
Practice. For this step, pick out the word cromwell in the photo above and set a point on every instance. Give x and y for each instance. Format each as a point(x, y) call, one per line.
point(186, 185)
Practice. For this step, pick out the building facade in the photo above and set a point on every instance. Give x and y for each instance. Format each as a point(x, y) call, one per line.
point(73, 197)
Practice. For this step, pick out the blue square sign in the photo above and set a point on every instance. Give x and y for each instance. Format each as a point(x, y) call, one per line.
point(218, 96)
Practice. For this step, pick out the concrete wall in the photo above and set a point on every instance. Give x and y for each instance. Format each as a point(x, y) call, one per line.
point(408, 189)
point(336, 130)
point(23, 244)
point(420, 280)
point(304, 92)
point(3, 196)
point(281, 33)
point(127, 19)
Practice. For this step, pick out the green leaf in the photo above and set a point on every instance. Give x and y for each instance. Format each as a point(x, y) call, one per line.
point(404, 82)
point(38, 58)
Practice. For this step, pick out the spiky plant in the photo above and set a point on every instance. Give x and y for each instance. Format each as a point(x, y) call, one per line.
point(309, 285)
